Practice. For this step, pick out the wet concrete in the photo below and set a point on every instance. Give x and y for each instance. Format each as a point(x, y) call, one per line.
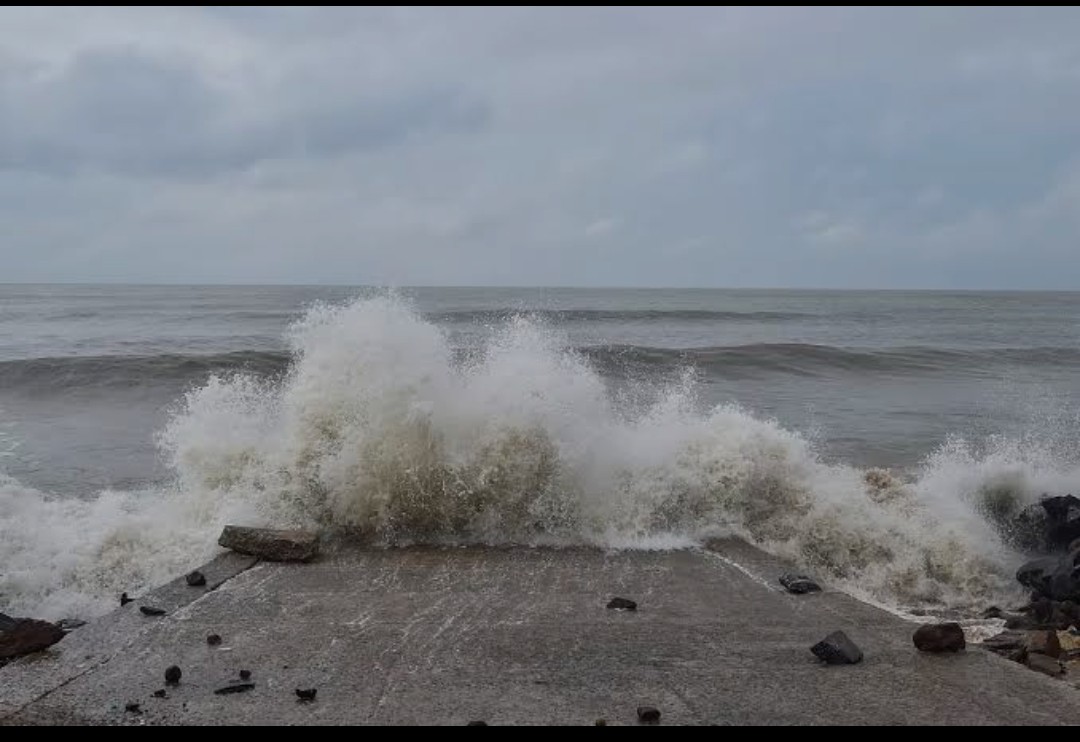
point(513, 636)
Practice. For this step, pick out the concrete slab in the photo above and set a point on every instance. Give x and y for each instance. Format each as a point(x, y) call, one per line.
point(518, 636)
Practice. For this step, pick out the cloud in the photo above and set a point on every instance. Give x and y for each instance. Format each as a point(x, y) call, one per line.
point(934, 147)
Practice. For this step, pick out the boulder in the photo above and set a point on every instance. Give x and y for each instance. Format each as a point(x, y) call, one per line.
point(272, 545)
point(798, 584)
point(837, 649)
point(1046, 665)
point(22, 636)
point(941, 637)
point(1044, 642)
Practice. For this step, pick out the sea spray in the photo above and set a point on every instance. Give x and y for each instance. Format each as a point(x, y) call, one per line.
point(378, 426)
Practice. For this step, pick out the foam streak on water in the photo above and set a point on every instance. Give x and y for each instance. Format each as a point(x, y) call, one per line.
point(376, 427)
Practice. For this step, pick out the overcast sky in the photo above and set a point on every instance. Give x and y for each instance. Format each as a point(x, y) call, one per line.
point(926, 148)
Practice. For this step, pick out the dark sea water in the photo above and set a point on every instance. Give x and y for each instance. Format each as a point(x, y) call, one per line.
point(136, 415)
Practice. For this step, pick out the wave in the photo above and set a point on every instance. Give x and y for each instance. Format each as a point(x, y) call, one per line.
point(375, 427)
point(565, 316)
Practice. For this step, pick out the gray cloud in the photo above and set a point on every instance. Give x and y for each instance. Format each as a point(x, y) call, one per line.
point(935, 147)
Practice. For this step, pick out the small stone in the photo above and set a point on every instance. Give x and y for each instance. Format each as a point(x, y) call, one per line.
point(1044, 642)
point(133, 708)
point(837, 649)
point(160, 693)
point(124, 599)
point(306, 695)
point(150, 611)
point(275, 546)
point(173, 675)
point(601, 723)
point(798, 584)
point(213, 640)
point(196, 579)
point(622, 604)
point(648, 714)
point(941, 637)
point(234, 688)
point(245, 674)
point(477, 724)
point(1046, 665)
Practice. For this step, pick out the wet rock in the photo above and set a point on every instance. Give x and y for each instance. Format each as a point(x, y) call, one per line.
point(151, 611)
point(1044, 642)
point(941, 637)
point(477, 724)
point(133, 708)
point(798, 584)
point(272, 545)
point(228, 690)
point(622, 604)
point(213, 640)
point(837, 649)
point(195, 579)
point(1016, 622)
point(124, 599)
point(993, 612)
point(160, 693)
point(22, 636)
point(173, 675)
point(1062, 521)
point(306, 695)
point(70, 624)
point(1046, 665)
point(1036, 574)
point(245, 674)
point(1005, 640)
point(648, 714)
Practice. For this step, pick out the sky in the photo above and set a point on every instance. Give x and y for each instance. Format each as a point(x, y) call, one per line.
point(729, 147)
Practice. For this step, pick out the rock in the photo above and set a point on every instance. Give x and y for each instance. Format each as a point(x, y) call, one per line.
point(1005, 640)
point(648, 714)
point(1036, 573)
point(1046, 665)
point(477, 724)
point(124, 599)
point(245, 674)
point(798, 584)
point(1044, 642)
point(150, 611)
point(993, 612)
point(173, 675)
point(622, 604)
point(600, 723)
point(941, 637)
point(70, 624)
point(837, 649)
point(213, 640)
point(195, 579)
point(274, 546)
point(1062, 521)
point(133, 708)
point(228, 690)
point(306, 695)
point(22, 636)
point(160, 693)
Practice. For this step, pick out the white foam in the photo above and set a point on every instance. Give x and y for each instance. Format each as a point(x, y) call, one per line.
point(375, 427)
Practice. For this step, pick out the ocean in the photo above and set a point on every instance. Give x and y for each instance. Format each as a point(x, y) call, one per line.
point(878, 439)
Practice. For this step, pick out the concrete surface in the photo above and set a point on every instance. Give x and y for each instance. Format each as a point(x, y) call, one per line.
point(514, 636)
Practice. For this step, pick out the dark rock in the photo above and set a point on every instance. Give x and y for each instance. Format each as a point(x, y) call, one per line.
point(7, 623)
point(993, 612)
point(1005, 640)
point(306, 695)
point(1036, 574)
point(150, 611)
point(228, 690)
point(622, 604)
point(70, 624)
point(798, 584)
point(124, 599)
point(1044, 642)
point(1046, 665)
point(1062, 521)
point(22, 636)
point(245, 674)
point(1020, 623)
point(173, 675)
point(600, 723)
point(195, 579)
point(477, 724)
point(160, 693)
point(648, 714)
point(837, 649)
point(941, 637)
point(274, 546)
point(133, 708)
point(213, 640)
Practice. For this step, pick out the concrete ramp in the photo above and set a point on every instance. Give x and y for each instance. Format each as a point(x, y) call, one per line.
point(513, 636)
